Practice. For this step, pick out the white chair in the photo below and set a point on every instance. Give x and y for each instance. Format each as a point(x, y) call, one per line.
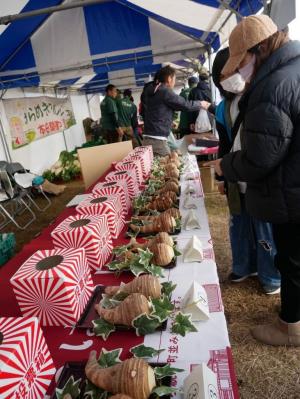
point(23, 180)
point(12, 202)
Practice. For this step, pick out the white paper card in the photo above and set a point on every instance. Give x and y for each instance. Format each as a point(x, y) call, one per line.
point(193, 251)
point(189, 202)
point(191, 221)
point(195, 302)
point(201, 384)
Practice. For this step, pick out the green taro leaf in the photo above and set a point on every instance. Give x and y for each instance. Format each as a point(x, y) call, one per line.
point(114, 265)
point(178, 223)
point(142, 351)
point(168, 287)
point(102, 328)
point(145, 324)
point(137, 268)
point(93, 392)
point(108, 302)
point(71, 387)
point(183, 325)
point(109, 358)
point(163, 390)
point(145, 256)
point(176, 252)
point(162, 308)
point(120, 250)
point(156, 271)
point(166, 371)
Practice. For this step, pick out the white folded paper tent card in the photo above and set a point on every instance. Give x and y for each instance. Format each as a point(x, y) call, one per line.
point(189, 202)
point(191, 221)
point(201, 384)
point(193, 251)
point(195, 302)
point(190, 189)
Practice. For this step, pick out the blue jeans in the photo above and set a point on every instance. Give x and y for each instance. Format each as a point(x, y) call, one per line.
point(253, 248)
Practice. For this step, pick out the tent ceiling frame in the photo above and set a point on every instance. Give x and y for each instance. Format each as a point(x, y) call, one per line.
point(106, 63)
point(48, 10)
point(228, 7)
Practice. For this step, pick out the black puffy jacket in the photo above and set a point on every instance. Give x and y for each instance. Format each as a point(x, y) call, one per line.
point(160, 104)
point(199, 93)
point(270, 157)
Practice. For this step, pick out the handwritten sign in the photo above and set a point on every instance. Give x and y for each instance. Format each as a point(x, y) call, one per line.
point(37, 117)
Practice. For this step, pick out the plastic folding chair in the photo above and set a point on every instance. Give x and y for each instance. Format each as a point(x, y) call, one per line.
point(11, 198)
point(23, 180)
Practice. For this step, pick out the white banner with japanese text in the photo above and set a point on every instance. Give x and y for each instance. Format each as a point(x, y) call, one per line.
point(37, 117)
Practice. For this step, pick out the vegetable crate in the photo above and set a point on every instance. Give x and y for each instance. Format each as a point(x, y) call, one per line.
point(7, 247)
point(114, 187)
point(26, 367)
point(91, 233)
point(109, 205)
point(128, 177)
point(133, 166)
point(54, 285)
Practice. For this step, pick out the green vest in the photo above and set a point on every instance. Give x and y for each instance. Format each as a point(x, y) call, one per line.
point(125, 111)
point(108, 107)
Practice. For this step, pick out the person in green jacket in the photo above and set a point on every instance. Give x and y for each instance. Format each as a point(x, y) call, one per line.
point(126, 110)
point(110, 125)
point(184, 126)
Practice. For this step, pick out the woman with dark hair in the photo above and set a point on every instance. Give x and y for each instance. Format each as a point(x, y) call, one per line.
point(251, 240)
point(160, 102)
point(268, 63)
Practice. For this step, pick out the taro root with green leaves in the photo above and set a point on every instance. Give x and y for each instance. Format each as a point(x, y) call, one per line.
point(109, 377)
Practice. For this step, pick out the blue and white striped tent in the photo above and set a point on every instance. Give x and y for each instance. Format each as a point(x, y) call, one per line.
point(117, 41)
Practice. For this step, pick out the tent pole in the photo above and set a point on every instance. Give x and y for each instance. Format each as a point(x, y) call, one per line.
point(4, 143)
point(88, 104)
point(63, 132)
point(49, 10)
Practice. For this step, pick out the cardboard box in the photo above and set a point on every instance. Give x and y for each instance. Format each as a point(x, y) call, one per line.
point(109, 205)
point(54, 285)
point(114, 187)
point(127, 176)
point(26, 366)
point(89, 232)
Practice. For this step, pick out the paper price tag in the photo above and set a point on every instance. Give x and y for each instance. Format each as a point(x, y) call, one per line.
point(195, 302)
point(201, 384)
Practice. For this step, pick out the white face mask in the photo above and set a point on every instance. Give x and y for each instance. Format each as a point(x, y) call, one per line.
point(234, 84)
point(247, 70)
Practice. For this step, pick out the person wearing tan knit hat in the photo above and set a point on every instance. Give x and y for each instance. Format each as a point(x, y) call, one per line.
point(264, 65)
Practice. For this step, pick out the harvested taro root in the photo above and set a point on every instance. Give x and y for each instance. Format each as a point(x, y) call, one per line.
point(147, 285)
point(133, 377)
point(133, 306)
point(163, 222)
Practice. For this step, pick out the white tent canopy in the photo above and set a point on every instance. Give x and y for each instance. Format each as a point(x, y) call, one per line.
point(120, 41)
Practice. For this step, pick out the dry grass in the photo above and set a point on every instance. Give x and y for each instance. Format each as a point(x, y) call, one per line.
point(263, 372)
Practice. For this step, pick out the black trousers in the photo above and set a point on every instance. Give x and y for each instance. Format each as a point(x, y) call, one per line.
point(287, 260)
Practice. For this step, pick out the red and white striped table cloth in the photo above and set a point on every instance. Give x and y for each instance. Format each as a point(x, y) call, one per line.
point(109, 205)
point(89, 232)
point(54, 285)
point(26, 366)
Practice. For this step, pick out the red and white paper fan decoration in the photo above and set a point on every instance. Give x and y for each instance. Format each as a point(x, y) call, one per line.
point(54, 285)
point(114, 187)
point(109, 205)
point(26, 367)
point(88, 232)
point(135, 167)
point(127, 176)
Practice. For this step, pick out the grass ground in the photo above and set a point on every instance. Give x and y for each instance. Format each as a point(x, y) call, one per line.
point(263, 372)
